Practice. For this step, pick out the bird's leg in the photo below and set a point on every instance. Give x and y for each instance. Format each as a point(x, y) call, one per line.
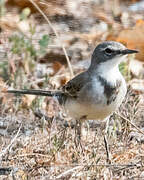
point(107, 126)
point(106, 142)
point(78, 132)
point(107, 149)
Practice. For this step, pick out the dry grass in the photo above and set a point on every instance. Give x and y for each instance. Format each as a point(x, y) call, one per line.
point(44, 147)
point(37, 139)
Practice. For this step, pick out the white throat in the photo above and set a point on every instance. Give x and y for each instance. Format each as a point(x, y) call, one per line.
point(109, 70)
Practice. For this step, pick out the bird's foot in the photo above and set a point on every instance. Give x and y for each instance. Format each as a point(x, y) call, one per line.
point(78, 138)
point(107, 150)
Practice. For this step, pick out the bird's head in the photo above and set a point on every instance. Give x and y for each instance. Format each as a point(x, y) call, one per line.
point(110, 54)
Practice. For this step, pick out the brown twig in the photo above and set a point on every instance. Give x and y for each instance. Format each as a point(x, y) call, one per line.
point(70, 171)
point(12, 141)
point(54, 30)
point(130, 123)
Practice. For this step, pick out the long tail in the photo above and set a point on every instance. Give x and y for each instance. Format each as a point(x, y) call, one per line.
point(58, 94)
point(34, 92)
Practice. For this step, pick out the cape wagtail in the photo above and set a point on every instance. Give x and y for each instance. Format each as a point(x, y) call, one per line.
point(96, 93)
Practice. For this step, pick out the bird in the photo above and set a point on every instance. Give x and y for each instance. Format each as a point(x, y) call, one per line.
point(97, 92)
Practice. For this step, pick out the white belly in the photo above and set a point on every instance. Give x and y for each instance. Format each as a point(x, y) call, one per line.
point(95, 108)
point(92, 112)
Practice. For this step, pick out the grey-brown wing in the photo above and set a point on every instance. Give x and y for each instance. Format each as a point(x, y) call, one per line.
point(73, 87)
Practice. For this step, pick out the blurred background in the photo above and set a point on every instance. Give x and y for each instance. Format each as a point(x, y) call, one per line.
point(29, 44)
point(33, 56)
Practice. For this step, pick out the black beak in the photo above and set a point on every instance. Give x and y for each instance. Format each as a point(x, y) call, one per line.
point(128, 51)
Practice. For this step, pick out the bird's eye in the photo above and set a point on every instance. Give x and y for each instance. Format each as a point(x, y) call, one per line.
point(108, 51)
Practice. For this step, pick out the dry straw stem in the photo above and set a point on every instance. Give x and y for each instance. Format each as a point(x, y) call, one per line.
point(70, 171)
point(54, 30)
point(12, 141)
point(139, 130)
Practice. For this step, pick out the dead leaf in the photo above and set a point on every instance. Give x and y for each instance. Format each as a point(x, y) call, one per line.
point(104, 17)
point(27, 100)
point(51, 7)
point(134, 38)
point(11, 22)
point(126, 156)
point(57, 66)
point(52, 57)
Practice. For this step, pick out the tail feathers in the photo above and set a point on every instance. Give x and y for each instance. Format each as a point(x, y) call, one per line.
point(60, 96)
point(34, 92)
